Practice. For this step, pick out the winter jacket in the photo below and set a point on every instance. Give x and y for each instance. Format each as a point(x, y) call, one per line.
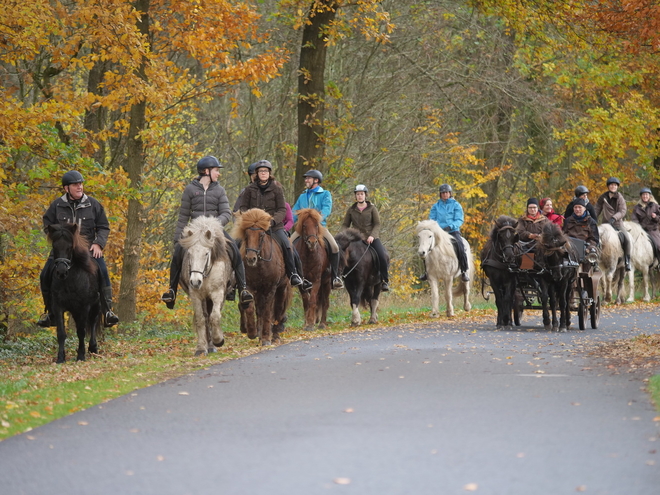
point(584, 228)
point(555, 218)
point(612, 208)
point(590, 210)
point(448, 214)
point(269, 198)
point(642, 215)
point(527, 226)
point(87, 213)
point(197, 202)
point(366, 221)
point(317, 198)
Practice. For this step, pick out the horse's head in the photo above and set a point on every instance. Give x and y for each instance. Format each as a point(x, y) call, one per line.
point(505, 238)
point(251, 226)
point(309, 227)
point(426, 242)
point(65, 240)
point(554, 248)
point(204, 241)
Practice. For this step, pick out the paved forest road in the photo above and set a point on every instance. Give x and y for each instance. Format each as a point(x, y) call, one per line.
point(444, 408)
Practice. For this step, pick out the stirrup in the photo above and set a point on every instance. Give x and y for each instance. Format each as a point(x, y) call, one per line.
point(423, 278)
point(110, 319)
point(384, 286)
point(168, 296)
point(245, 297)
point(337, 283)
point(46, 320)
point(306, 285)
point(295, 280)
point(465, 277)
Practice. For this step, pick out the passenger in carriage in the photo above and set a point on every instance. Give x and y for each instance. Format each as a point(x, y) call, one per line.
point(647, 214)
point(581, 225)
point(549, 212)
point(612, 204)
point(581, 192)
point(530, 226)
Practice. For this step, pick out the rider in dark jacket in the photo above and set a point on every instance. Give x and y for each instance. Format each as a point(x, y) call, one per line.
point(205, 197)
point(76, 207)
point(612, 205)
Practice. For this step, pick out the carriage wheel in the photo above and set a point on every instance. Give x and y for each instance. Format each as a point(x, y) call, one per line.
point(582, 314)
point(595, 313)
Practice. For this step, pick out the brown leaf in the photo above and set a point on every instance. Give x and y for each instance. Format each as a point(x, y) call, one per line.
point(342, 481)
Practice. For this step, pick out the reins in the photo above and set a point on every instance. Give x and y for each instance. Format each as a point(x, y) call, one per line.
point(357, 262)
point(261, 242)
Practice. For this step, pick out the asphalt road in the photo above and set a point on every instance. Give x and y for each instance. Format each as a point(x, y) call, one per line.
point(444, 408)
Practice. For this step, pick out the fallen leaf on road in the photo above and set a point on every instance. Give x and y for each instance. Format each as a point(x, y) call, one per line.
point(575, 404)
point(349, 410)
point(184, 393)
point(657, 418)
point(83, 423)
point(581, 488)
point(471, 487)
point(342, 481)
point(160, 458)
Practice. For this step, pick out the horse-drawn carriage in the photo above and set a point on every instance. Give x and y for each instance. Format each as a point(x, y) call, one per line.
point(555, 273)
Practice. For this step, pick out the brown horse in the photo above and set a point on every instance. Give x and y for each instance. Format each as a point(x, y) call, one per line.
point(265, 275)
point(316, 267)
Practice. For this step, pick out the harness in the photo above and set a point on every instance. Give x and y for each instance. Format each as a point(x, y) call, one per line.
point(207, 267)
point(261, 244)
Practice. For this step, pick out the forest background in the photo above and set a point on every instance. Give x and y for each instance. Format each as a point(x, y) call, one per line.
point(501, 99)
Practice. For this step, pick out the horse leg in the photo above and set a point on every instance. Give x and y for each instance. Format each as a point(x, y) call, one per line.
point(61, 336)
point(81, 331)
point(449, 297)
point(645, 282)
point(310, 310)
point(215, 321)
point(544, 304)
point(435, 297)
point(631, 282)
point(248, 324)
point(199, 322)
point(265, 319)
point(374, 310)
point(465, 287)
point(92, 325)
point(280, 308)
point(619, 287)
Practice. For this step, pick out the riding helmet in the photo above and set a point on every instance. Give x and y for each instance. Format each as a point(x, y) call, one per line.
point(580, 202)
point(252, 169)
point(445, 188)
point(262, 164)
point(207, 162)
point(314, 174)
point(580, 190)
point(644, 190)
point(361, 188)
point(72, 177)
point(613, 180)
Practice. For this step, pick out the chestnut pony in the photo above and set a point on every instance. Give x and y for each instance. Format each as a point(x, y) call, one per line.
point(265, 275)
point(314, 258)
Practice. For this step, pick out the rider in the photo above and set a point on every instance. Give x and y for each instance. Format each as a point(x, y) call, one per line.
point(613, 206)
point(320, 200)
point(204, 196)
point(581, 225)
point(647, 214)
point(363, 216)
point(449, 214)
point(530, 226)
point(76, 207)
point(583, 193)
point(266, 193)
point(548, 211)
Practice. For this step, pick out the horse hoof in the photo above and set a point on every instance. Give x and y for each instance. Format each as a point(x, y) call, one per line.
point(211, 349)
point(562, 330)
point(322, 326)
point(435, 314)
point(309, 328)
point(266, 343)
point(355, 324)
point(80, 358)
point(200, 353)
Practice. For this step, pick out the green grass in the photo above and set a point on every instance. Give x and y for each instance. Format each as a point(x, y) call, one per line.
point(654, 390)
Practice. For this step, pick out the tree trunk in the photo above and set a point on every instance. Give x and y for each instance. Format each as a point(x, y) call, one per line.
point(311, 91)
point(95, 116)
point(135, 157)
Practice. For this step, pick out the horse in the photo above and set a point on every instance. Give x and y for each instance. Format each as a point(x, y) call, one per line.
point(611, 262)
point(206, 269)
point(641, 257)
point(498, 257)
point(557, 256)
point(361, 275)
point(74, 287)
point(266, 278)
point(311, 247)
point(437, 251)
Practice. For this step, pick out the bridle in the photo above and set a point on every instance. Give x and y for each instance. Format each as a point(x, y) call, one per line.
point(306, 237)
point(261, 244)
point(207, 267)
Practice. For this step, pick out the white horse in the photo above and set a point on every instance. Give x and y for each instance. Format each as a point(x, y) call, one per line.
point(641, 257)
point(204, 276)
point(611, 262)
point(437, 250)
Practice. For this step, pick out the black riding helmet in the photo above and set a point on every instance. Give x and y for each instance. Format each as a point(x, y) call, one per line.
point(262, 164)
point(580, 190)
point(252, 168)
point(445, 188)
point(207, 162)
point(315, 174)
point(644, 190)
point(613, 180)
point(72, 177)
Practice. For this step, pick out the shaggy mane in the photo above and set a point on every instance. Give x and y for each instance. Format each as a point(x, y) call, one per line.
point(71, 234)
point(208, 232)
point(501, 222)
point(255, 217)
point(345, 237)
point(441, 237)
point(315, 216)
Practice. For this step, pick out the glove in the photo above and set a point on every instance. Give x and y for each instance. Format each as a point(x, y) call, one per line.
point(612, 222)
point(447, 229)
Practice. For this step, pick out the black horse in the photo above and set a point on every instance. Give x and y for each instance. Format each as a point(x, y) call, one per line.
point(74, 287)
point(360, 272)
point(498, 258)
point(558, 257)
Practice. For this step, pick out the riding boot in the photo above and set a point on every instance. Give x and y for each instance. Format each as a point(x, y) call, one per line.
point(334, 267)
point(625, 244)
point(423, 277)
point(47, 319)
point(169, 297)
point(626, 262)
point(109, 318)
point(245, 297)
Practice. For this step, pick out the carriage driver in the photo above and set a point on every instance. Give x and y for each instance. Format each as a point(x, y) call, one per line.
point(612, 205)
point(321, 200)
point(363, 216)
point(581, 192)
point(267, 194)
point(204, 196)
point(76, 207)
point(581, 225)
point(449, 214)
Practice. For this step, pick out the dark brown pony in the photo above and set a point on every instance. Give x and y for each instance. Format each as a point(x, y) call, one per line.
point(361, 275)
point(265, 275)
point(74, 287)
point(557, 256)
point(314, 258)
point(498, 258)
